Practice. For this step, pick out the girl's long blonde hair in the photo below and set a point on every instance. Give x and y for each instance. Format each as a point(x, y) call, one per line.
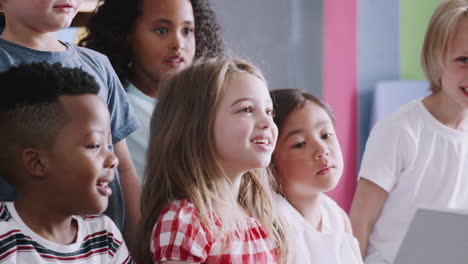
point(182, 160)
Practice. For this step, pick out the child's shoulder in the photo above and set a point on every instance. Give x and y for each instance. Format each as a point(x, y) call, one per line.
point(179, 230)
point(337, 217)
point(410, 119)
point(180, 216)
point(98, 62)
point(283, 206)
point(405, 113)
point(182, 209)
point(331, 205)
point(101, 228)
point(83, 51)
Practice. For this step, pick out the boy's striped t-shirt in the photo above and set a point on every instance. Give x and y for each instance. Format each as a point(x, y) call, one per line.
point(98, 241)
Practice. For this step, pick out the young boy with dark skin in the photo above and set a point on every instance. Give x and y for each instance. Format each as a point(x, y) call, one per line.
point(30, 35)
point(57, 154)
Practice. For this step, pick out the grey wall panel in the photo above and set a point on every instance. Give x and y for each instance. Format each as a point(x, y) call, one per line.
point(378, 54)
point(283, 38)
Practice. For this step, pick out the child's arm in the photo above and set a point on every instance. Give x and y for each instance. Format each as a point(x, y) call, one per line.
point(367, 204)
point(131, 190)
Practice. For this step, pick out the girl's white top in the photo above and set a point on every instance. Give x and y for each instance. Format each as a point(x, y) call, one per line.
point(420, 162)
point(333, 245)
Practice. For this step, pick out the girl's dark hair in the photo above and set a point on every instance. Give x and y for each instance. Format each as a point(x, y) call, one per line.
point(109, 29)
point(286, 101)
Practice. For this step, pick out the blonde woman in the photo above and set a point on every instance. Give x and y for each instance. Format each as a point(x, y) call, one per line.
point(207, 196)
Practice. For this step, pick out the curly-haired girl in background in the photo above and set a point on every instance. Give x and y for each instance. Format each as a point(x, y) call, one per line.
point(145, 41)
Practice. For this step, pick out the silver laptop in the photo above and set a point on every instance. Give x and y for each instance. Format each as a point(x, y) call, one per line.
point(435, 237)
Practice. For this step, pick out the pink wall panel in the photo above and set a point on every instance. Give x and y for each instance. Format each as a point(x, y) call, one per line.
point(340, 87)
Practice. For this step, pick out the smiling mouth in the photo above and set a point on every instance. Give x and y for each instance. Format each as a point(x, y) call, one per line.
point(262, 144)
point(261, 141)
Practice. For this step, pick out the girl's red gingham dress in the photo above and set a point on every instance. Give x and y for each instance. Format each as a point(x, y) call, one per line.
point(179, 235)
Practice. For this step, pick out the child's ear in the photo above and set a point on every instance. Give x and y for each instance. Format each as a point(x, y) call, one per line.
point(34, 162)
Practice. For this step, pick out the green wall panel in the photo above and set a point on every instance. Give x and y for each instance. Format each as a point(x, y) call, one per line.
point(414, 18)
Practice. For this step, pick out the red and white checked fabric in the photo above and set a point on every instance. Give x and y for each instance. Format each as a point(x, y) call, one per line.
point(179, 235)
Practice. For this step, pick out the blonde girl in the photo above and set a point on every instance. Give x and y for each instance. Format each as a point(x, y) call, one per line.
point(418, 156)
point(207, 195)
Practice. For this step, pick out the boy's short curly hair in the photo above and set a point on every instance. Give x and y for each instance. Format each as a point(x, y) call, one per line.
point(114, 20)
point(31, 114)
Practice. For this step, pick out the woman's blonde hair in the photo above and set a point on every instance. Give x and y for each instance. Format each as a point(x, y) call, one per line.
point(182, 159)
point(440, 34)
